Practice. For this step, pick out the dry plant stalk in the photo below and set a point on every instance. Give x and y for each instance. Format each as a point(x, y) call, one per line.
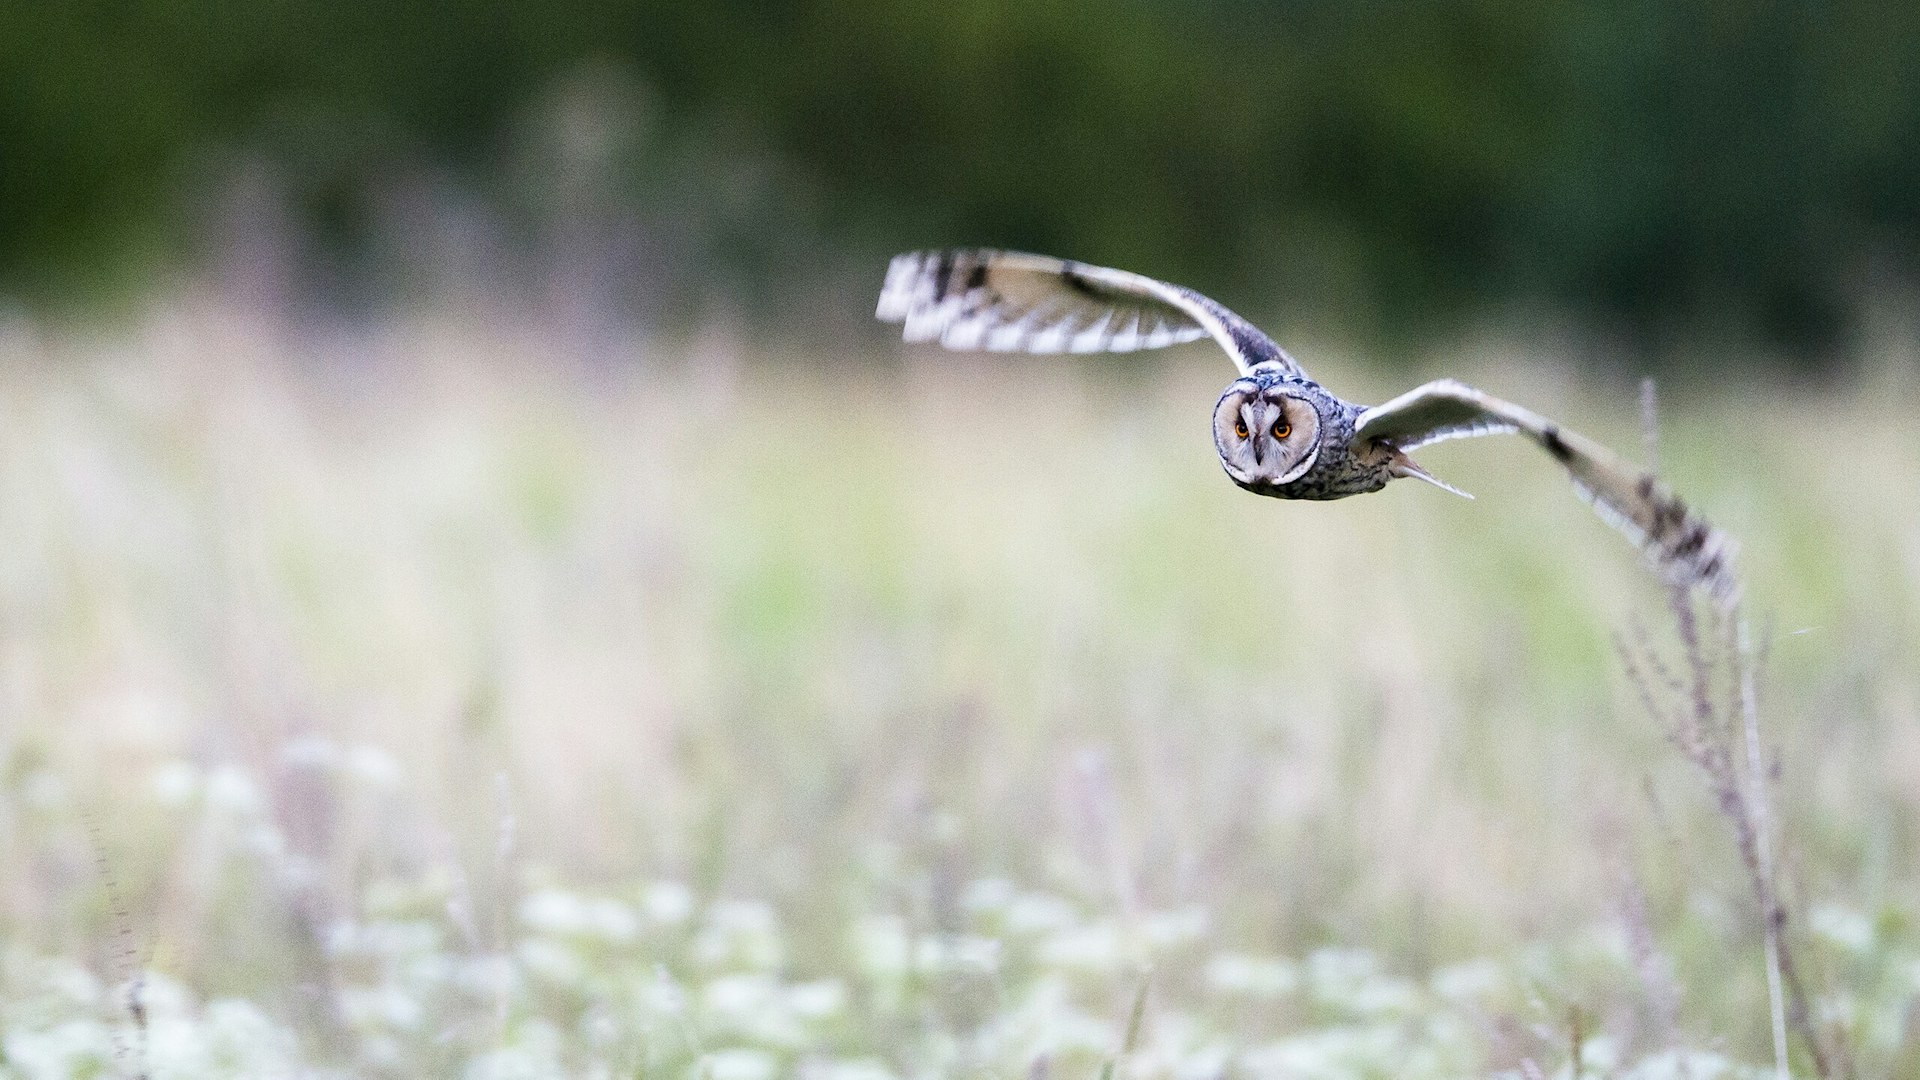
point(1721, 738)
point(125, 955)
point(1661, 1008)
point(1135, 1017)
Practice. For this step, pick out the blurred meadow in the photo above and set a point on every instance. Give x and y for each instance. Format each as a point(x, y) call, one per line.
point(421, 702)
point(479, 596)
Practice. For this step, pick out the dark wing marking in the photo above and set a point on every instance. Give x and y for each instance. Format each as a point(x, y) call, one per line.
point(1004, 301)
point(1683, 547)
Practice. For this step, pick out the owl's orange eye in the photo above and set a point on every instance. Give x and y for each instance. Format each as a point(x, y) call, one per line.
point(1282, 429)
point(1240, 428)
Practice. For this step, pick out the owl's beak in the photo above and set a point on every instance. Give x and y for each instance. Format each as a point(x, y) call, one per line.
point(1262, 422)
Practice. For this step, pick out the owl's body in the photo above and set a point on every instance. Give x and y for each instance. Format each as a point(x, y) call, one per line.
point(1277, 431)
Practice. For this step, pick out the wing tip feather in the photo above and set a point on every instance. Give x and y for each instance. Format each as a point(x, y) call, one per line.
point(949, 296)
point(1682, 548)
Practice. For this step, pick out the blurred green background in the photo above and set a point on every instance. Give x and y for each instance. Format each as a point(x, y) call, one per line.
point(480, 595)
point(1665, 173)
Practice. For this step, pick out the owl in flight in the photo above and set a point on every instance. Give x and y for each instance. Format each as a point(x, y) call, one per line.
point(1278, 432)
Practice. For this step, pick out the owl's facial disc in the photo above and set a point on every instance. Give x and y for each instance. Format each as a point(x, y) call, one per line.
point(1267, 436)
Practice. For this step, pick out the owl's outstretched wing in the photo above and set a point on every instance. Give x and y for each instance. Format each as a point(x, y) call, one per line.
point(1006, 301)
point(1682, 546)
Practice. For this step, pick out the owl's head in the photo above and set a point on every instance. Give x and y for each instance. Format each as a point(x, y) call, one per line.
point(1267, 429)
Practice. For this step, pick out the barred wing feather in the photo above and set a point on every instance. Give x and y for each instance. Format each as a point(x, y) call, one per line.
point(1003, 301)
point(1682, 546)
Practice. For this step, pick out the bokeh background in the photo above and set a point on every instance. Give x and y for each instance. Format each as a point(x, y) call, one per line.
point(479, 595)
point(1669, 172)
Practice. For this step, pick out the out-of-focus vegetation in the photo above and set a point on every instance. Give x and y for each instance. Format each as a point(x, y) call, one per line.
point(426, 699)
point(420, 655)
point(1666, 168)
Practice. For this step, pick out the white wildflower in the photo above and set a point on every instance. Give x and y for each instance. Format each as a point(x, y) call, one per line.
point(159, 995)
point(311, 752)
point(243, 1041)
point(946, 826)
point(366, 764)
point(600, 1026)
point(149, 716)
point(1209, 1062)
point(382, 1006)
point(1039, 913)
point(533, 1055)
point(1882, 1020)
point(1384, 997)
point(71, 981)
point(265, 841)
point(1252, 976)
point(432, 891)
point(1096, 948)
point(1848, 929)
point(1172, 929)
point(554, 911)
point(752, 1006)
point(383, 1052)
point(735, 996)
point(566, 914)
point(1839, 1010)
point(663, 995)
point(1681, 1064)
point(735, 1064)
point(489, 978)
point(1341, 967)
point(73, 1048)
point(372, 766)
point(612, 921)
point(1468, 982)
point(1329, 1053)
point(817, 1000)
point(384, 938)
point(231, 791)
point(174, 1045)
point(667, 903)
point(988, 895)
point(1048, 1022)
point(881, 945)
point(740, 933)
point(1351, 979)
point(42, 789)
point(950, 953)
point(743, 916)
point(175, 783)
point(1600, 1052)
point(854, 1069)
point(554, 961)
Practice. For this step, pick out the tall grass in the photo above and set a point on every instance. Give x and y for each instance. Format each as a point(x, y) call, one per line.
point(447, 704)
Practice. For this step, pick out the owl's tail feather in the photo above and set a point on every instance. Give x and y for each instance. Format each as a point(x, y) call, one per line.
point(1406, 466)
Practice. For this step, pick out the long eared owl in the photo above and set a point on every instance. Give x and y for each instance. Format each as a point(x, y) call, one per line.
point(1278, 432)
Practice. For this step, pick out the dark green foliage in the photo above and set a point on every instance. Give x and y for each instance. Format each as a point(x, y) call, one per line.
point(1660, 167)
